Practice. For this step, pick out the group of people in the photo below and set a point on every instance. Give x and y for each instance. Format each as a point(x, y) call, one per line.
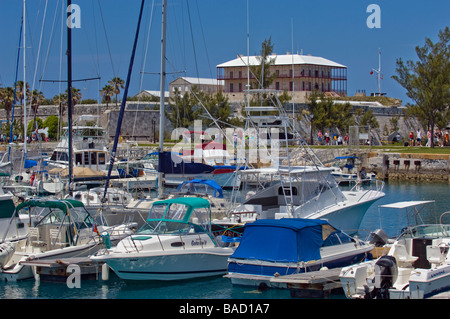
point(327, 139)
point(441, 138)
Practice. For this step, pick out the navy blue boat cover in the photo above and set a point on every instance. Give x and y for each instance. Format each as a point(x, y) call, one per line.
point(283, 240)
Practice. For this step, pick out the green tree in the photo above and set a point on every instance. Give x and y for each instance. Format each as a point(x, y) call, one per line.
point(264, 78)
point(7, 99)
point(427, 82)
point(52, 123)
point(182, 110)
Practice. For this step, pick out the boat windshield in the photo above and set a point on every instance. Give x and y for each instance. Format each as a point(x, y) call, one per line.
point(77, 216)
point(176, 218)
point(426, 231)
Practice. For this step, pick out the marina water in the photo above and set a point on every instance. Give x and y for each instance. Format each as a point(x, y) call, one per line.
point(218, 287)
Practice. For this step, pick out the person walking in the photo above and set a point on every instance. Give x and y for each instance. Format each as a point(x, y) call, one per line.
point(419, 137)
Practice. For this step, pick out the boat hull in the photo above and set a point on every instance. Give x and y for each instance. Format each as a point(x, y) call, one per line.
point(172, 266)
point(256, 272)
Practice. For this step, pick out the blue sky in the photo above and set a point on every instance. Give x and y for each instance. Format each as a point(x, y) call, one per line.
point(209, 32)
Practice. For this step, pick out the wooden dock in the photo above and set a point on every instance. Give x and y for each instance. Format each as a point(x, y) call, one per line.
point(55, 270)
point(314, 284)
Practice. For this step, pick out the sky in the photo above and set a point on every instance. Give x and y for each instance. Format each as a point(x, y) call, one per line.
point(202, 34)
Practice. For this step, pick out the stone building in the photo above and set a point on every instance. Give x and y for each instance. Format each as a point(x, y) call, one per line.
point(184, 84)
point(296, 74)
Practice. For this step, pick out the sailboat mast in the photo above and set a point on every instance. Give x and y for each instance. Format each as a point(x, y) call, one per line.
point(24, 85)
point(379, 72)
point(162, 92)
point(69, 87)
point(124, 102)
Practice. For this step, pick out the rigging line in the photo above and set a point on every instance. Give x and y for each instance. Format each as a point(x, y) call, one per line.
point(39, 49)
point(144, 63)
point(49, 44)
point(204, 42)
point(15, 88)
point(192, 37)
point(106, 37)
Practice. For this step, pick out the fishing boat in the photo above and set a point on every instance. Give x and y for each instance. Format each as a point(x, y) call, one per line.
point(58, 229)
point(416, 266)
point(303, 192)
point(288, 246)
point(345, 171)
point(290, 181)
point(90, 146)
point(175, 243)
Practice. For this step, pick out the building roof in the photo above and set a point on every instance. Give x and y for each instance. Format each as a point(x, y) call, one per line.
point(200, 81)
point(286, 59)
point(154, 93)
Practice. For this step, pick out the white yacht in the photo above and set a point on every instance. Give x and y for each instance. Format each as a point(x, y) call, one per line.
point(175, 243)
point(58, 229)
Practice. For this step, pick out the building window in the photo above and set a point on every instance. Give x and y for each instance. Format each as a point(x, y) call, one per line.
point(278, 73)
point(240, 74)
point(231, 88)
point(303, 85)
point(290, 73)
point(291, 86)
point(240, 87)
point(231, 74)
point(277, 85)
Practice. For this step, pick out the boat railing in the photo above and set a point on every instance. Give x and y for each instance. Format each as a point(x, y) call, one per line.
point(371, 192)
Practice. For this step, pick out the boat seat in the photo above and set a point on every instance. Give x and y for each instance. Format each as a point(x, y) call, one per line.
point(34, 237)
point(434, 255)
point(403, 258)
point(56, 238)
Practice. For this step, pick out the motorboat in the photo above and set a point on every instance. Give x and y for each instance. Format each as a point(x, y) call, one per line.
point(175, 243)
point(345, 171)
point(290, 181)
point(289, 246)
point(416, 266)
point(90, 146)
point(13, 227)
point(122, 207)
point(303, 192)
point(177, 169)
point(107, 207)
point(58, 229)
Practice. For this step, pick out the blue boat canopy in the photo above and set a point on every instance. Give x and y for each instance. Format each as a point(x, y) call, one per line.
point(284, 240)
point(170, 163)
point(218, 192)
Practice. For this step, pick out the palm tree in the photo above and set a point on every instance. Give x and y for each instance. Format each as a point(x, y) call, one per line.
point(20, 96)
point(7, 99)
point(37, 98)
point(61, 101)
point(117, 84)
point(107, 92)
point(76, 96)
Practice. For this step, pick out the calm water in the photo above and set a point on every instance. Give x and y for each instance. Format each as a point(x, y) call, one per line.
point(218, 287)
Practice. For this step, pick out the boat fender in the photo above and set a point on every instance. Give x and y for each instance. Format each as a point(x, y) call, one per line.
point(106, 240)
